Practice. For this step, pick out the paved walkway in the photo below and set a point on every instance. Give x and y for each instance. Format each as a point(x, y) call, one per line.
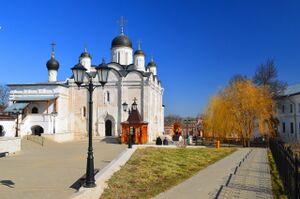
point(207, 183)
point(48, 172)
point(251, 180)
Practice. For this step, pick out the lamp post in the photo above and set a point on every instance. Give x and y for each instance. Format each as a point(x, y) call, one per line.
point(79, 73)
point(54, 114)
point(126, 109)
point(18, 112)
point(187, 129)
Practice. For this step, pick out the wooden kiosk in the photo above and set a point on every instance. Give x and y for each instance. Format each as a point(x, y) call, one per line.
point(135, 127)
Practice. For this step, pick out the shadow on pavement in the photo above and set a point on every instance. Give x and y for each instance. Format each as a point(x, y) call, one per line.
point(7, 183)
point(111, 140)
point(79, 183)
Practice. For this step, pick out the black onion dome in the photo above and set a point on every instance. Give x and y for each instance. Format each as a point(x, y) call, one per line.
point(52, 64)
point(151, 64)
point(85, 54)
point(139, 52)
point(121, 41)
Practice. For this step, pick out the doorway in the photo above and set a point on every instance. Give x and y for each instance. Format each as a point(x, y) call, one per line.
point(37, 130)
point(108, 128)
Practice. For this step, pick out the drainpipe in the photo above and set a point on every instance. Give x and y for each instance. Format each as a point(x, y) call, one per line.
point(295, 116)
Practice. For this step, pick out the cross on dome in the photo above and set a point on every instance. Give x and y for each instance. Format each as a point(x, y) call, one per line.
point(53, 44)
point(152, 59)
point(134, 99)
point(139, 44)
point(122, 24)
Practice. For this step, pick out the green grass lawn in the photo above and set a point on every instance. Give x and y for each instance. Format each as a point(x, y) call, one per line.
point(151, 171)
point(277, 186)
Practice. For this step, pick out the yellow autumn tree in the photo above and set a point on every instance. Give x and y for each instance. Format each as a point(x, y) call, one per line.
point(238, 110)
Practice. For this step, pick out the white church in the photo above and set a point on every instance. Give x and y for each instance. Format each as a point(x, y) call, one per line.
point(59, 109)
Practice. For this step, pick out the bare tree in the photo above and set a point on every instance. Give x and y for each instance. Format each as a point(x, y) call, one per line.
point(237, 78)
point(170, 119)
point(266, 75)
point(4, 95)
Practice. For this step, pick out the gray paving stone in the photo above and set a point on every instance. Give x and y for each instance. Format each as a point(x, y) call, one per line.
point(48, 172)
point(252, 179)
point(206, 183)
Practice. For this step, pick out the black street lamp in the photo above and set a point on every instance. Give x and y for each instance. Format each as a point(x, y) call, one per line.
point(54, 114)
point(79, 73)
point(17, 112)
point(131, 129)
point(187, 130)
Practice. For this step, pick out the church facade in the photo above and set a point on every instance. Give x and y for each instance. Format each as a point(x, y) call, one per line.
point(59, 109)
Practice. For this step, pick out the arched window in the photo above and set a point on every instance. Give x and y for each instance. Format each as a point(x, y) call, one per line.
point(84, 111)
point(107, 97)
point(34, 110)
point(126, 58)
point(119, 57)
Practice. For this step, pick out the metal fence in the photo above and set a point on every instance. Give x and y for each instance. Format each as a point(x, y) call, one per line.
point(230, 142)
point(288, 167)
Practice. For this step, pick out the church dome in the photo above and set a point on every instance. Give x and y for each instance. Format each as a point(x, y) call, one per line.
point(151, 64)
point(121, 41)
point(52, 64)
point(139, 52)
point(85, 54)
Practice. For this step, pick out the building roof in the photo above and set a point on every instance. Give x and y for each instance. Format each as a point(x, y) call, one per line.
point(85, 54)
point(121, 41)
point(52, 64)
point(135, 118)
point(291, 90)
point(34, 98)
point(6, 117)
point(151, 64)
point(15, 107)
point(139, 52)
point(58, 83)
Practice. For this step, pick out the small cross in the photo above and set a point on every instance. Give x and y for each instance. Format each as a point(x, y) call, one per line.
point(122, 24)
point(139, 44)
point(134, 99)
point(53, 46)
point(85, 47)
point(152, 60)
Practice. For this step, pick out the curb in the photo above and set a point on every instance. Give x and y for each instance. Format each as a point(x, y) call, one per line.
point(104, 175)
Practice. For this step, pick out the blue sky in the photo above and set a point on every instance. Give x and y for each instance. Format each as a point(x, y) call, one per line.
point(197, 45)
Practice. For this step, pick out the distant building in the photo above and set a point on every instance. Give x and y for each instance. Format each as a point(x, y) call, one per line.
point(288, 112)
point(194, 127)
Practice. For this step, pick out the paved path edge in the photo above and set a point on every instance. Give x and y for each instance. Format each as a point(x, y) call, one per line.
point(106, 173)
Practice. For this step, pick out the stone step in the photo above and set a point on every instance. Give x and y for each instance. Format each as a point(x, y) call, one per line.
point(111, 140)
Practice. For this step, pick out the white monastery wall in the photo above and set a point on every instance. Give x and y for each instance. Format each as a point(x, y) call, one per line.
point(9, 127)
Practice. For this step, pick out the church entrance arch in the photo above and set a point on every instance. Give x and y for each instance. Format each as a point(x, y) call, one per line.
point(108, 128)
point(37, 130)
